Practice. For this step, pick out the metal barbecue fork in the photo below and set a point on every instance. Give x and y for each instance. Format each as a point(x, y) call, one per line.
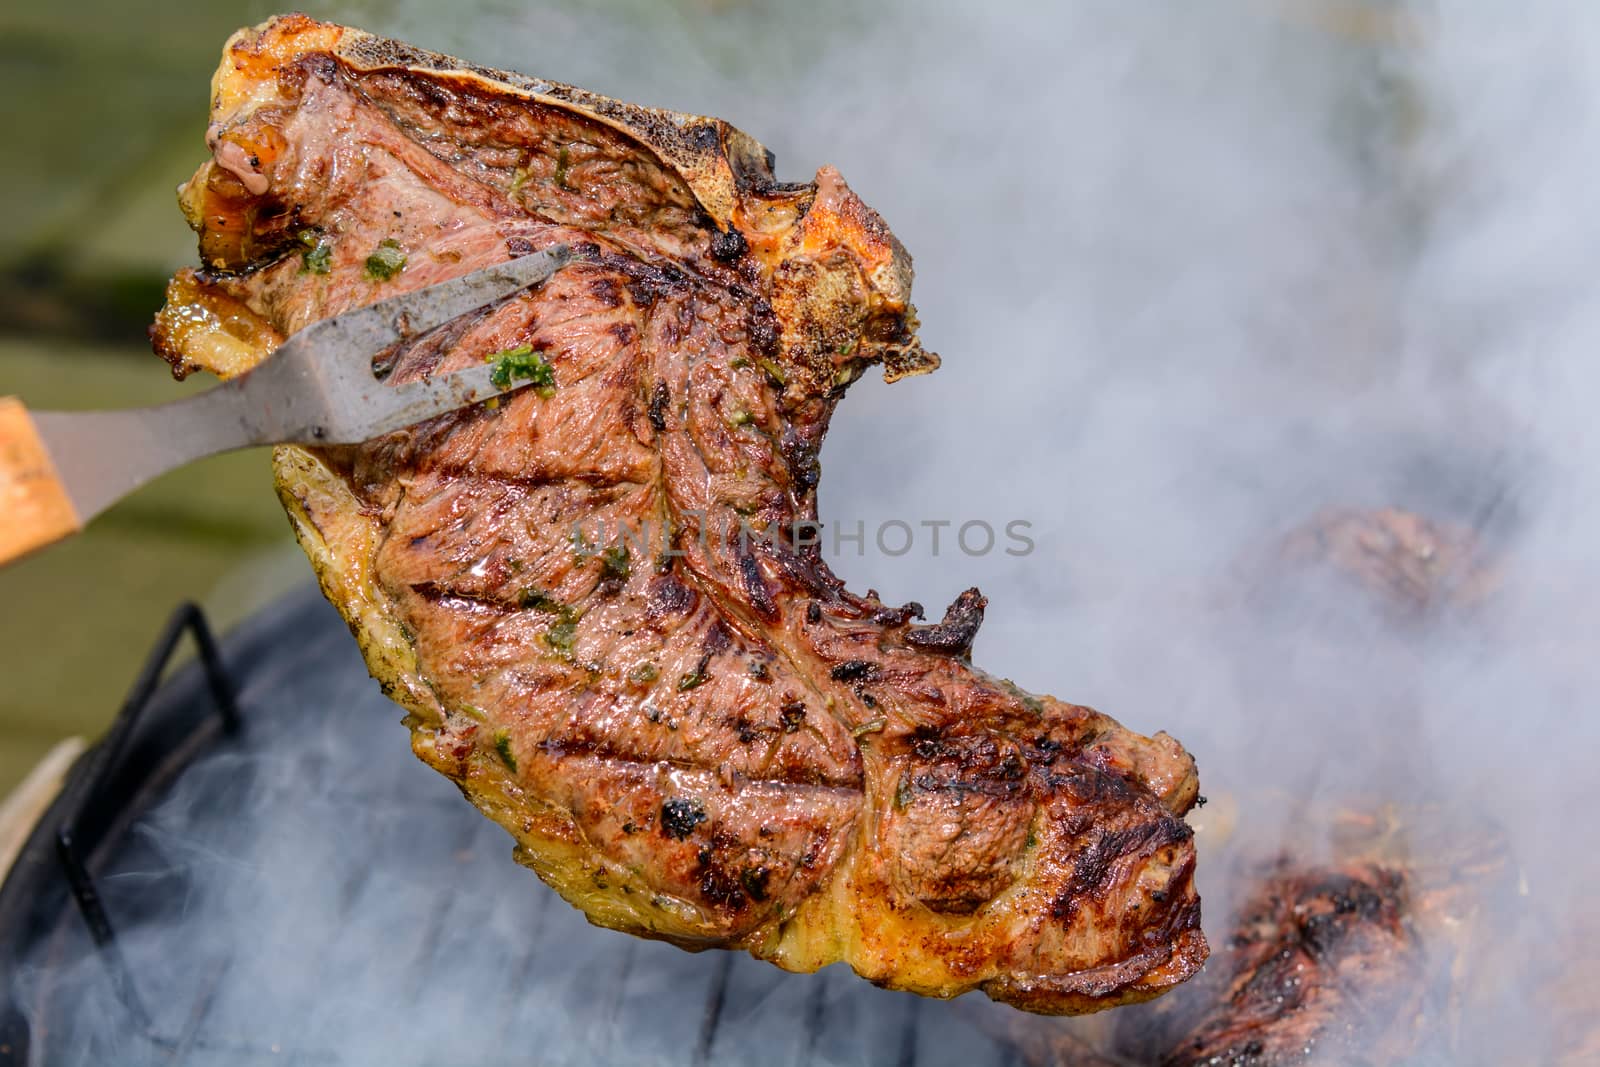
point(60, 469)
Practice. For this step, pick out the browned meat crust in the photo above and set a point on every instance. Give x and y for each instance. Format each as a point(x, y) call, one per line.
point(693, 732)
point(1321, 965)
point(1378, 955)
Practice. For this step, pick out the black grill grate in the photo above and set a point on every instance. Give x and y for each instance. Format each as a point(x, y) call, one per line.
point(301, 891)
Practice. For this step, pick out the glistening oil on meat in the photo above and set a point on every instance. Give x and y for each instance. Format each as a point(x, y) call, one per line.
point(720, 746)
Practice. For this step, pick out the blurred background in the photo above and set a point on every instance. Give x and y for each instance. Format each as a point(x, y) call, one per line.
point(105, 114)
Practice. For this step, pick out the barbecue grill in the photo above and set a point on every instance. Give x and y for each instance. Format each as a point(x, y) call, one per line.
point(141, 921)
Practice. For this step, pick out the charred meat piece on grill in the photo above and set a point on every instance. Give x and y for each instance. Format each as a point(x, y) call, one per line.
point(597, 600)
point(1372, 956)
point(1321, 965)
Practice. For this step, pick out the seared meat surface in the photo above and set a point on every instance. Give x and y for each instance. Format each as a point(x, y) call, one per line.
point(1320, 966)
point(599, 600)
point(1370, 956)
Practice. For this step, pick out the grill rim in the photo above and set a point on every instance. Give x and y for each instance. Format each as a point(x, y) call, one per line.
point(168, 720)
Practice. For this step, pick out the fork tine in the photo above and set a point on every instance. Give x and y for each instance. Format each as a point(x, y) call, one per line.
point(385, 409)
point(365, 332)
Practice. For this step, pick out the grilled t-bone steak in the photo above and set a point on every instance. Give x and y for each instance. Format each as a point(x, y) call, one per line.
point(596, 599)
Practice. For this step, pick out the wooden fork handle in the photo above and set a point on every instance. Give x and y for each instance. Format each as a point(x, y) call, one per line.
point(34, 507)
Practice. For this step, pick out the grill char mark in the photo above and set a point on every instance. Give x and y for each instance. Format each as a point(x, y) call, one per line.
point(693, 672)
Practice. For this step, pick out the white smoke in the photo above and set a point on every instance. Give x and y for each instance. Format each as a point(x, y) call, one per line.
point(1197, 272)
